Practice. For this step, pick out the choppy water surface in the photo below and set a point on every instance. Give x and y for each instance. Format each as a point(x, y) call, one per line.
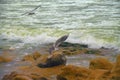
point(93, 22)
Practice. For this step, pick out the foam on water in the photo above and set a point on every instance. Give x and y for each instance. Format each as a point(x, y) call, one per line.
point(92, 22)
point(39, 36)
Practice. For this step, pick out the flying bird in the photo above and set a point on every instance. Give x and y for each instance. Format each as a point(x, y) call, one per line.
point(57, 43)
point(32, 11)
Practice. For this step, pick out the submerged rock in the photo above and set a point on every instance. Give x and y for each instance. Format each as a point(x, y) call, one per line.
point(101, 63)
point(55, 59)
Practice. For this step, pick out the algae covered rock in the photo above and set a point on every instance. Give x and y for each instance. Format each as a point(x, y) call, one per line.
point(16, 76)
point(21, 77)
point(92, 51)
point(116, 69)
point(32, 57)
point(99, 74)
point(5, 59)
point(73, 51)
point(54, 59)
point(76, 45)
point(71, 72)
point(100, 63)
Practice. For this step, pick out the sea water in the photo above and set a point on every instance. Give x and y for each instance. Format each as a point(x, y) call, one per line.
point(93, 22)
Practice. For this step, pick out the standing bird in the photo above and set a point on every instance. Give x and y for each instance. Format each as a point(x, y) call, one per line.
point(57, 43)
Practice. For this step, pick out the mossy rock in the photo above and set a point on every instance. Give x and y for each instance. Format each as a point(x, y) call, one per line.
point(32, 57)
point(72, 51)
point(16, 76)
point(67, 44)
point(22, 77)
point(101, 63)
point(71, 72)
point(5, 59)
point(91, 51)
point(116, 69)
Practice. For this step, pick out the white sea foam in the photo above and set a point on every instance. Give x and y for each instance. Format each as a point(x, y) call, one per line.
point(80, 38)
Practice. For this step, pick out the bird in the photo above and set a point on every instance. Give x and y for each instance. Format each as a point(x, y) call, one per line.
point(57, 43)
point(32, 11)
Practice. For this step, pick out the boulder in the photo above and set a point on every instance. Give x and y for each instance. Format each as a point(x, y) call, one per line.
point(55, 59)
point(101, 63)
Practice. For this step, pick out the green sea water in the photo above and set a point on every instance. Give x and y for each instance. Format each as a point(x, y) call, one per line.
point(92, 22)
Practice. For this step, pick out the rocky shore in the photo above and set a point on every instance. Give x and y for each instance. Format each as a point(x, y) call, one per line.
point(55, 67)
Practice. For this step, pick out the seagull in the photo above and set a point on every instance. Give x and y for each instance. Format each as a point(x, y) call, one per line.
point(32, 11)
point(57, 43)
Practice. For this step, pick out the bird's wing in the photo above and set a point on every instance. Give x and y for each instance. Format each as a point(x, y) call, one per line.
point(60, 40)
point(35, 8)
point(32, 10)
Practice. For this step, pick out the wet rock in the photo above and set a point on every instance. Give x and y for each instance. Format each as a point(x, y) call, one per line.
point(101, 63)
point(43, 78)
point(76, 45)
point(16, 76)
point(116, 69)
point(22, 77)
point(99, 74)
point(32, 57)
point(55, 59)
point(72, 51)
point(92, 51)
point(71, 72)
point(5, 59)
point(37, 73)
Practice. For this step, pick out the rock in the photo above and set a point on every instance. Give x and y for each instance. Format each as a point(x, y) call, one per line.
point(16, 76)
point(5, 59)
point(92, 51)
point(71, 72)
point(55, 59)
point(32, 57)
point(116, 69)
point(21, 77)
point(37, 73)
point(72, 51)
point(99, 74)
point(76, 45)
point(43, 78)
point(101, 63)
